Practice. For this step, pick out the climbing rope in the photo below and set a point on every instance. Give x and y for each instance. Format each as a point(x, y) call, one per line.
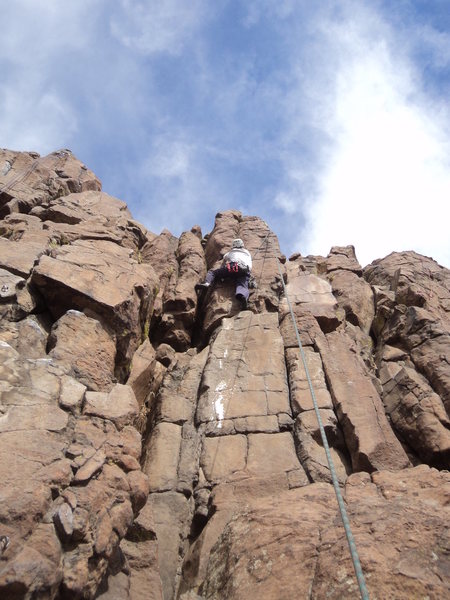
point(344, 517)
point(260, 247)
point(41, 161)
point(19, 177)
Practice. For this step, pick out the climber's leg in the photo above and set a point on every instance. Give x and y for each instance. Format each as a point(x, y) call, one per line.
point(211, 276)
point(242, 292)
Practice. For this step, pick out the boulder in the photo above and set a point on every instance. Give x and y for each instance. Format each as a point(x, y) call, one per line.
point(100, 277)
point(417, 413)
point(86, 348)
point(28, 336)
point(28, 180)
point(343, 258)
point(119, 405)
point(355, 297)
point(368, 435)
point(19, 258)
point(311, 294)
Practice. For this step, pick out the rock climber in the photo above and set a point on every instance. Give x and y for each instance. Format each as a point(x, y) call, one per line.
point(236, 264)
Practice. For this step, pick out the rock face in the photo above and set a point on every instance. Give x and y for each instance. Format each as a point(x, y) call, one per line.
point(156, 446)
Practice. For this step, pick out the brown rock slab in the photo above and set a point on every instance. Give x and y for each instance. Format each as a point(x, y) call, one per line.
point(369, 438)
point(63, 519)
point(90, 467)
point(8, 285)
point(26, 418)
point(160, 252)
point(119, 405)
point(19, 258)
point(28, 336)
point(142, 368)
point(139, 489)
point(417, 413)
point(223, 456)
point(354, 295)
point(180, 298)
point(72, 394)
point(172, 517)
point(310, 448)
point(258, 424)
point(301, 398)
point(86, 347)
point(313, 294)
point(140, 549)
point(101, 277)
point(307, 326)
point(144, 580)
point(245, 374)
point(161, 464)
point(271, 453)
point(84, 207)
point(343, 258)
point(432, 360)
point(292, 543)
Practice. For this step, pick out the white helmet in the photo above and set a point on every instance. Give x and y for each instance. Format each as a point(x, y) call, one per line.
point(238, 243)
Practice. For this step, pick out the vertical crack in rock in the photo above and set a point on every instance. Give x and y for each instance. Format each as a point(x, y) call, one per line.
point(314, 570)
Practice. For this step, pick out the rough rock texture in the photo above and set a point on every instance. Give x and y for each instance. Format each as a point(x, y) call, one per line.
point(66, 498)
point(155, 446)
point(71, 341)
point(290, 543)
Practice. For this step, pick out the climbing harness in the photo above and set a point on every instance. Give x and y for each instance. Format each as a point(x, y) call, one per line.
point(262, 243)
point(235, 269)
point(344, 517)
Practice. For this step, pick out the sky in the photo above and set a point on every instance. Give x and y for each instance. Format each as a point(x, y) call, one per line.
point(327, 119)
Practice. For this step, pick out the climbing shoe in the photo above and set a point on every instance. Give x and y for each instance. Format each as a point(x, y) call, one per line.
point(243, 301)
point(199, 287)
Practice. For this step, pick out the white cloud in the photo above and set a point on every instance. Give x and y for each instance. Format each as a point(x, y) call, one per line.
point(35, 121)
point(33, 30)
point(37, 37)
point(382, 174)
point(179, 191)
point(171, 158)
point(157, 25)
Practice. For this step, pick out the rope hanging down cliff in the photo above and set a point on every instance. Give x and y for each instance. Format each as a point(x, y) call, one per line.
point(344, 517)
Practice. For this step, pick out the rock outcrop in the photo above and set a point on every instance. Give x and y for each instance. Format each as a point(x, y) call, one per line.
point(154, 445)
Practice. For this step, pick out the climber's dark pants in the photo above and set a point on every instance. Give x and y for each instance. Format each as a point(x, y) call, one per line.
point(241, 279)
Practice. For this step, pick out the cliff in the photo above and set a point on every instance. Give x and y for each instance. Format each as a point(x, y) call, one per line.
point(156, 446)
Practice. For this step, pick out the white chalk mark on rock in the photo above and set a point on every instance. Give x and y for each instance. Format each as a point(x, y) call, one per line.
point(218, 402)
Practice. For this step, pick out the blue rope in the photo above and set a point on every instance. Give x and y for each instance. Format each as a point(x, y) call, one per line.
point(344, 517)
